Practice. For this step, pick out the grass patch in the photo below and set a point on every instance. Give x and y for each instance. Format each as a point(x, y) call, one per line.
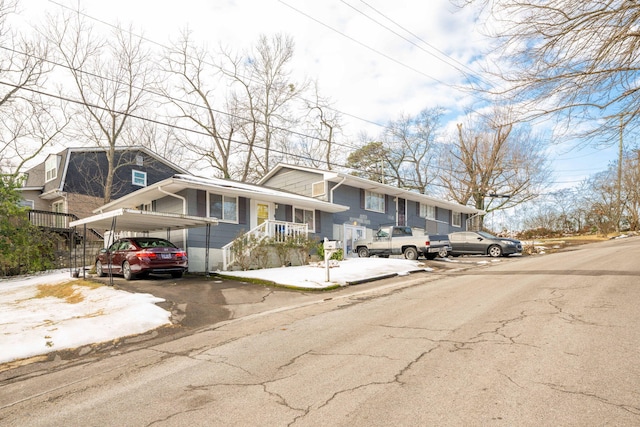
point(67, 291)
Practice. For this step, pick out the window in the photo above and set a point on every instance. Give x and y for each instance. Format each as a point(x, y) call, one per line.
point(304, 216)
point(427, 211)
point(27, 203)
point(456, 219)
point(51, 168)
point(139, 178)
point(225, 208)
point(374, 201)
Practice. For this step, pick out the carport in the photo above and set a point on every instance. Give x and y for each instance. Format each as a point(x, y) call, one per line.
point(142, 222)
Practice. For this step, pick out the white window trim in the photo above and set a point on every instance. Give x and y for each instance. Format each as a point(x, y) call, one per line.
point(28, 203)
point(424, 211)
point(312, 227)
point(236, 221)
point(134, 181)
point(456, 215)
point(48, 168)
point(367, 195)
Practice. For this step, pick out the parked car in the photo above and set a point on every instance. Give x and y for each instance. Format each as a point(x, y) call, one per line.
point(138, 256)
point(482, 243)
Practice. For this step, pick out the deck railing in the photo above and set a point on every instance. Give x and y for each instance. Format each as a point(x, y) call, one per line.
point(57, 221)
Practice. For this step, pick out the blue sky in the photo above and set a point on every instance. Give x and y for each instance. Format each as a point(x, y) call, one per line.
point(374, 59)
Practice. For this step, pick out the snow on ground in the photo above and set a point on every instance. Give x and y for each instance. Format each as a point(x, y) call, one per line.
point(340, 273)
point(31, 326)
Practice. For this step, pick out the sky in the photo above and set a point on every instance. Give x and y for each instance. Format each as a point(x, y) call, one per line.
point(374, 59)
point(31, 326)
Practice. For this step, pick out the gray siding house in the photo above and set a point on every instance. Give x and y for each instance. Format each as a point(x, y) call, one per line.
point(371, 204)
point(240, 209)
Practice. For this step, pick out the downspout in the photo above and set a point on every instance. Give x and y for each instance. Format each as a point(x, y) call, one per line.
point(184, 212)
point(332, 190)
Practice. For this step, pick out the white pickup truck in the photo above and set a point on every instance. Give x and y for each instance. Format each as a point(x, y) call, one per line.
point(398, 240)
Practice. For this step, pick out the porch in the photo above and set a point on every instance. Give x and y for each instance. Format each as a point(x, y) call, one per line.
point(277, 232)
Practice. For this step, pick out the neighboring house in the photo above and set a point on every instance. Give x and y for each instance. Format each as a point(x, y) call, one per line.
point(70, 184)
point(371, 204)
point(241, 209)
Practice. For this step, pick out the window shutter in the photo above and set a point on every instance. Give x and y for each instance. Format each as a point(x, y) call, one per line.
point(201, 203)
point(242, 210)
point(418, 209)
point(318, 224)
point(386, 204)
point(361, 198)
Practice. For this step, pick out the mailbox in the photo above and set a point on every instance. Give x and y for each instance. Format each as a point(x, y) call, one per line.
point(332, 245)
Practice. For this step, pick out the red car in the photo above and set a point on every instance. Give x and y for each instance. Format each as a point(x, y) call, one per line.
point(138, 256)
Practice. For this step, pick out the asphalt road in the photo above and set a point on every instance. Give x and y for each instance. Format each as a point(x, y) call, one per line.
point(549, 340)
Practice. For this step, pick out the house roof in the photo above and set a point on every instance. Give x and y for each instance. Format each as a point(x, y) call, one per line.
point(141, 221)
point(366, 184)
point(177, 183)
point(36, 175)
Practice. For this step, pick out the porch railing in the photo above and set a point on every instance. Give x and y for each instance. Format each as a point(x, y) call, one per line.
point(278, 231)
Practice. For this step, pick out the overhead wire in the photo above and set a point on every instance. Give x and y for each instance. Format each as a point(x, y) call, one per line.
point(231, 115)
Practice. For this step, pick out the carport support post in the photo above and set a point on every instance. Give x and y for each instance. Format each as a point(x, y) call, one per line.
point(206, 250)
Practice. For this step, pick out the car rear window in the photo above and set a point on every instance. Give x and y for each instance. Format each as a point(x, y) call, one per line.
point(154, 243)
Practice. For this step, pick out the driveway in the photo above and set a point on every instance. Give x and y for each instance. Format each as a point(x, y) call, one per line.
point(198, 302)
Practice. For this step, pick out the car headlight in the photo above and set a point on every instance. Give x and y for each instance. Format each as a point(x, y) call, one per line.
point(508, 242)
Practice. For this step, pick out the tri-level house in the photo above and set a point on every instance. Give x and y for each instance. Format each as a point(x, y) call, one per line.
point(371, 204)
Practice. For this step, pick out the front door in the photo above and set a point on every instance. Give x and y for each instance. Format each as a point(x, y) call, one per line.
point(351, 234)
point(402, 212)
point(261, 211)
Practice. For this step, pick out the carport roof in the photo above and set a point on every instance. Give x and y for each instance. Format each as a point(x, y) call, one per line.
point(140, 221)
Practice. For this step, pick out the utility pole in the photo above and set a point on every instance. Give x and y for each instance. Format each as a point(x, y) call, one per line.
point(619, 186)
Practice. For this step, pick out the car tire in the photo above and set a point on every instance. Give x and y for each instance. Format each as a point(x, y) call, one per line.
point(363, 252)
point(411, 253)
point(126, 271)
point(176, 274)
point(495, 251)
point(99, 270)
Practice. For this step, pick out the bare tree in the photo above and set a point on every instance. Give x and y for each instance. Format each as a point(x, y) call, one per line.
point(209, 132)
point(322, 125)
point(264, 95)
point(110, 75)
point(494, 165)
point(238, 106)
point(29, 120)
point(411, 141)
point(572, 57)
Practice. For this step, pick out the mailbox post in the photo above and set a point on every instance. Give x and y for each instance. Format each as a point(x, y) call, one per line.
point(330, 248)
